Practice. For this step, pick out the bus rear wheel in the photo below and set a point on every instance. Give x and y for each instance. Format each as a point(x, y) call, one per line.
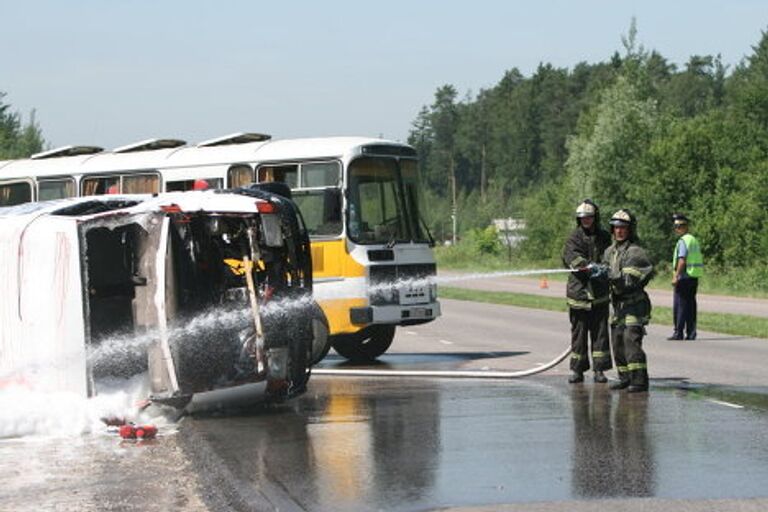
point(364, 346)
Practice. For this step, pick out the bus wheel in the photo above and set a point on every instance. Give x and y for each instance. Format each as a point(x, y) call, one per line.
point(365, 346)
point(321, 341)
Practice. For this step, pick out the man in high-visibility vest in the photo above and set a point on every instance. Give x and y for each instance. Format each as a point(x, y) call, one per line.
point(687, 268)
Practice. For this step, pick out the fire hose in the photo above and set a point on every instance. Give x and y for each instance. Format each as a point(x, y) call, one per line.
point(466, 374)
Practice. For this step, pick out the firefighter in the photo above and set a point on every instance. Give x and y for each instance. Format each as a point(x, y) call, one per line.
point(687, 268)
point(587, 294)
point(629, 270)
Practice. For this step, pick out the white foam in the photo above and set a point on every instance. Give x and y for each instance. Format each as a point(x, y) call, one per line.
point(25, 412)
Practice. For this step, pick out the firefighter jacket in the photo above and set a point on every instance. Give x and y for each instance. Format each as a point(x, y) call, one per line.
point(582, 248)
point(629, 270)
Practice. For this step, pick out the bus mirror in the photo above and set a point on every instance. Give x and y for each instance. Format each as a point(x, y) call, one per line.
point(332, 206)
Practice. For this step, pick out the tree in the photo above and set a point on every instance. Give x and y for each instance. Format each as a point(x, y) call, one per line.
point(17, 140)
point(697, 89)
point(749, 85)
point(603, 162)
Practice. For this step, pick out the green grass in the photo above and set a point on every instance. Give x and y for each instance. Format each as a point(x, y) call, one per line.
point(739, 325)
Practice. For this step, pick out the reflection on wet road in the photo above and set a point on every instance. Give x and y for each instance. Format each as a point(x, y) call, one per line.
point(410, 444)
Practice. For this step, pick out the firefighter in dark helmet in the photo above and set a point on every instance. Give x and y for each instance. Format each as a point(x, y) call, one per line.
point(587, 294)
point(629, 270)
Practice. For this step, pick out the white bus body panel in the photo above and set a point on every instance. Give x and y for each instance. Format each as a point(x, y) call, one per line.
point(42, 339)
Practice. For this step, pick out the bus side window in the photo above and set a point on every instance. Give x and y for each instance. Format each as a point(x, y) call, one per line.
point(239, 176)
point(321, 210)
point(141, 184)
point(287, 174)
point(321, 174)
point(100, 186)
point(59, 188)
point(198, 184)
point(12, 194)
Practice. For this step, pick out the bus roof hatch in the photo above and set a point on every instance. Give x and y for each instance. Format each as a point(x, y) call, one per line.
point(67, 151)
point(150, 145)
point(235, 138)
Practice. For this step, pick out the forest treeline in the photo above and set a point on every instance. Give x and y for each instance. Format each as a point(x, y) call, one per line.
point(634, 131)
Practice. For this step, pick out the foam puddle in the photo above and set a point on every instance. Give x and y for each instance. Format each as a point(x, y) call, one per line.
point(24, 412)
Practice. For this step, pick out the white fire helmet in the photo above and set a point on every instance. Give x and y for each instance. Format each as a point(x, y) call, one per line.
point(586, 209)
point(622, 218)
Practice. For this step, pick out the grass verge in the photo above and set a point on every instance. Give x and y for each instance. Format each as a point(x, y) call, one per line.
point(739, 325)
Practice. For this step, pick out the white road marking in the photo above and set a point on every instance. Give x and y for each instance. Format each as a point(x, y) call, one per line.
point(412, 333)
point(727, 404)
point(446, 342)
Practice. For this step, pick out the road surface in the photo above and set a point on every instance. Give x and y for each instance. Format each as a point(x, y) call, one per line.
point(697, 441)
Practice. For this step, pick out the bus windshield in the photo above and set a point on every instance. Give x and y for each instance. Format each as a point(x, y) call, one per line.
point(382, 201)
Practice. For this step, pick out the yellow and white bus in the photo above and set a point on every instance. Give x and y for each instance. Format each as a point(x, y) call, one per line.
point(371, 252)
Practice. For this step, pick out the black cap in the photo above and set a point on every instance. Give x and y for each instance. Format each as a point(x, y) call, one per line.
point(679, 218)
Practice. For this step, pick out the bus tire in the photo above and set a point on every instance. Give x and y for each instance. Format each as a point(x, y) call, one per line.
point(366, 345)
point(321, 339)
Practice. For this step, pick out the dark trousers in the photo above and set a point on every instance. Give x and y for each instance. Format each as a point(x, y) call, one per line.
point(590, 324)
point(628, 353)
point(684, 308)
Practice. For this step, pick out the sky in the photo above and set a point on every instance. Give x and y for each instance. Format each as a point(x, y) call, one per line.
point(109, 72)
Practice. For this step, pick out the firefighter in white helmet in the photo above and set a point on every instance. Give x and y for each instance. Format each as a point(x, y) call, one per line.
point(629, 271)
point(587, 294)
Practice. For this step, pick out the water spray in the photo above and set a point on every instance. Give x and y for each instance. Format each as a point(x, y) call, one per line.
point(435, 280)
point(505, 273)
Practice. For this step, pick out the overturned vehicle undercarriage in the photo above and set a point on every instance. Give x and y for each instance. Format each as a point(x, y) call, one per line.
point(199, 291)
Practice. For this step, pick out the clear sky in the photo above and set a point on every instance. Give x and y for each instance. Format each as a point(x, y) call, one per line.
point(110, 72)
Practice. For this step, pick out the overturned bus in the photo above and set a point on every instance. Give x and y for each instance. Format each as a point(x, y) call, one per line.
point(198, 291)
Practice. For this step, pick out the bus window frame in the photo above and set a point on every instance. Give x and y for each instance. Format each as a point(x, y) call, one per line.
point(321, 191)
point(64, 177)
point(32, 188)
point(401, 198)
point(120, 176)
point(215, 180)
point(228, 180)
point(299, 173)
point(309, 190)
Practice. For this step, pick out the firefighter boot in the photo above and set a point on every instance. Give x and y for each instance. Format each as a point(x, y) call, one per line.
point(621, 384)
point(600, 377)
point(575, 378)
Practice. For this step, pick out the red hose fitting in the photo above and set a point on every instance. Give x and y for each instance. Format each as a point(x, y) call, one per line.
point(138, 431)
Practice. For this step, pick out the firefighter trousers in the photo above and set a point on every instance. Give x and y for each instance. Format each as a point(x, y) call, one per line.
point(590, 324)
point(629, 355)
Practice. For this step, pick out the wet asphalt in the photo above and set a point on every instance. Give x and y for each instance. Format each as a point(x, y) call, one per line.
point(409, 444)
point(697, 441)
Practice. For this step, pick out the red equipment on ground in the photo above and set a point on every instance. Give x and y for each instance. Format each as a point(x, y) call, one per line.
point(138, 431)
